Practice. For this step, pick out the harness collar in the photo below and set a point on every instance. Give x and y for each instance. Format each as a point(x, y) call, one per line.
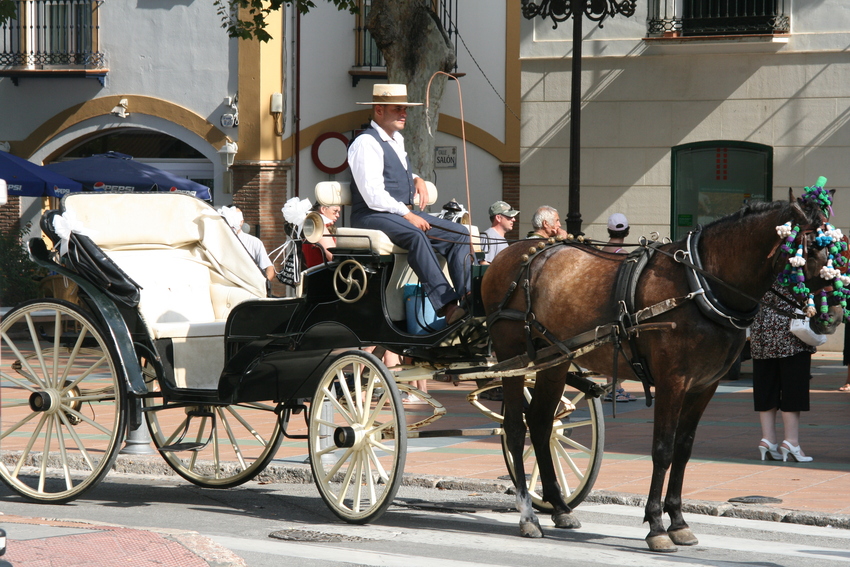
point(703, 296)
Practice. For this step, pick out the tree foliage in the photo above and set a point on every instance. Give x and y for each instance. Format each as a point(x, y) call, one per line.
point(18, 274)
point(254, 25)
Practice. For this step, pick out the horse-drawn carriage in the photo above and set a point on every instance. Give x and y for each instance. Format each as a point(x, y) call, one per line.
point(174, 323)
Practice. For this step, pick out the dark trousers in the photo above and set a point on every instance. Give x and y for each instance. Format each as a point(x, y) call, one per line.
point(422, 249)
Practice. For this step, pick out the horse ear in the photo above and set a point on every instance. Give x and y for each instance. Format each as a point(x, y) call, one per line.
point(790, 194)
point(831, 194)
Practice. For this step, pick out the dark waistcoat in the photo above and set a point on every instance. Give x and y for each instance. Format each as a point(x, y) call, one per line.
point(398, 181)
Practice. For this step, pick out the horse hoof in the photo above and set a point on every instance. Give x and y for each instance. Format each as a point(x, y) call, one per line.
point(530, 529)
point(566, 521)
point(661, 543)
point(683, 536)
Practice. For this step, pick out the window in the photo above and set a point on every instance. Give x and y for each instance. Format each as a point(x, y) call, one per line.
point(713, 179)
point(367, 54)
point(51, 34)
point(718, 17)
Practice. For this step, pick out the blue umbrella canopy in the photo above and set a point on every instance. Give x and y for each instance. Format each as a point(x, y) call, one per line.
point(113, 171)
point(27, 179)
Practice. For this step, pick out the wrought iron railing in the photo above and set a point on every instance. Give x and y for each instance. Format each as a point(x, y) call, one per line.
point(367, 54)
point(718, 17)
point(53, 34)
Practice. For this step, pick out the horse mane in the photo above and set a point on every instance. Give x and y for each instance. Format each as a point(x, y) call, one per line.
point(810, 215)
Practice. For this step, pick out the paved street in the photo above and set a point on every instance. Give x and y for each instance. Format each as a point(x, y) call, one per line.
point(153, 519)
point(168, 522)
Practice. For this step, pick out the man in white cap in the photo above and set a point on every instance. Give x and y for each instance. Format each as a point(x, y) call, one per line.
point(618, 230)
point(255, 247)
point(382, 197)
point(502, 218)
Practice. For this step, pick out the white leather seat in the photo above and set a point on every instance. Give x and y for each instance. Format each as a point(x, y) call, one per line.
point(191, 266)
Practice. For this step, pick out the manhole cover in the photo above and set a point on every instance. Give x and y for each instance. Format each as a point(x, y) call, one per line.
point(756, 500)
point(319, 537)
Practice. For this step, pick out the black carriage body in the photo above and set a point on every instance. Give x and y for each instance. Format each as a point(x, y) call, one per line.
point(283, 346)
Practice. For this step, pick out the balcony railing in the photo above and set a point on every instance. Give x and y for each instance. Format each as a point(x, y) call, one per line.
point(52, 34)
point(718, 17)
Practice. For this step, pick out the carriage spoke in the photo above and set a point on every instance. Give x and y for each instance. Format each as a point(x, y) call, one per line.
point(18, 425)
point(73, 356)
point(359, 479)
point(379, 468)
point(337, 465)
point(63, 454)
point(216, 450)
point(233, 442)
point(88, 420)
point(38, 352)
point(31, 373)
point(84, 375)
point(346, 481)
point(357, 371)
point(248, 427)
point(48, 433)
point(57, 335)
point(80, 446)
point(18, 382)
point(25, 453)
point(562, 479)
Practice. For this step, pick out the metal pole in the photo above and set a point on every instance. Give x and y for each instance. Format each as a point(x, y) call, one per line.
point(138, 441)
point(574, 212)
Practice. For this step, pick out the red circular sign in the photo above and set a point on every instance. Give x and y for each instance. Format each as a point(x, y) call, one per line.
point(314, 153)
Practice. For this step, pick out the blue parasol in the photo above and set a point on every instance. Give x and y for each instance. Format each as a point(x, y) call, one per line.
point(113, 171)
point(27, 179)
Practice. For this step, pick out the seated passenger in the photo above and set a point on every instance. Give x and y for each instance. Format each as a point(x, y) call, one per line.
point(545, 223)
point(383, 190)
point(255, 246)
point(315, 254)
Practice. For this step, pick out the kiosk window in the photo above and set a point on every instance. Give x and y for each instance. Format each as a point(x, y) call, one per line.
point(713, 179)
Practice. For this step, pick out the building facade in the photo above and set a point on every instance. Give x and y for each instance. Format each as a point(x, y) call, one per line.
point(68, 67)
point(688, 108)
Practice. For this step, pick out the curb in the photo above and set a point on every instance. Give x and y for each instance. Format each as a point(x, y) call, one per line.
point(302, 474)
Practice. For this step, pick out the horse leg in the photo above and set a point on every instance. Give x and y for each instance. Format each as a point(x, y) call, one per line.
point(514, 427)
point(548, 388)
point(692, 411)
point(668, 395)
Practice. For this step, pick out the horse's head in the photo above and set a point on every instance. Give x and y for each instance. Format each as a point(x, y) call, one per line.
point(818, 259)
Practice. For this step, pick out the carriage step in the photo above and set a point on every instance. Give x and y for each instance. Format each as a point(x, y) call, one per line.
point(186, 446)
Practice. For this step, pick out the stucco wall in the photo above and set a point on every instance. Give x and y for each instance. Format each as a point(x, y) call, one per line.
point(651, 96)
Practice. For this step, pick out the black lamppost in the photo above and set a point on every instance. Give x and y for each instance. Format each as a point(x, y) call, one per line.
point(559, 11)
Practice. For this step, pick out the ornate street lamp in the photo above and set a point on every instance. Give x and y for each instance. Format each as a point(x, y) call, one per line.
point(559, 11)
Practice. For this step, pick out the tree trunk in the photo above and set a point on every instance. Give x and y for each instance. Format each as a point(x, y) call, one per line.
point(415, 46)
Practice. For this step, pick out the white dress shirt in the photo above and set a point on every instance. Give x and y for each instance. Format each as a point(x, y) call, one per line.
point(366, 160)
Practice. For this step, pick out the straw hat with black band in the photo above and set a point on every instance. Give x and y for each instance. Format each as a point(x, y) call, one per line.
point(390, 94)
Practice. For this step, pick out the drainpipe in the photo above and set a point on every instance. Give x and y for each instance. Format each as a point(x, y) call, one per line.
point(296, 119)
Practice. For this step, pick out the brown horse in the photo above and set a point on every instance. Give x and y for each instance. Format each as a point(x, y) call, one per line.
point(572, 290)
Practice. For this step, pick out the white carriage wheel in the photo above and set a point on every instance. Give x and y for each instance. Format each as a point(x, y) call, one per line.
point(357, 437)
point(577, 443)
point(226, 445)
point(63, 404)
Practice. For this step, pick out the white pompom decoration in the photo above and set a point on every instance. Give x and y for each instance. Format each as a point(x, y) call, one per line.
point(797, 259)
point(784, 230)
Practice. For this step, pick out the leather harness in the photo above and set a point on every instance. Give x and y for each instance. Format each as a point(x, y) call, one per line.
point(629, 320)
